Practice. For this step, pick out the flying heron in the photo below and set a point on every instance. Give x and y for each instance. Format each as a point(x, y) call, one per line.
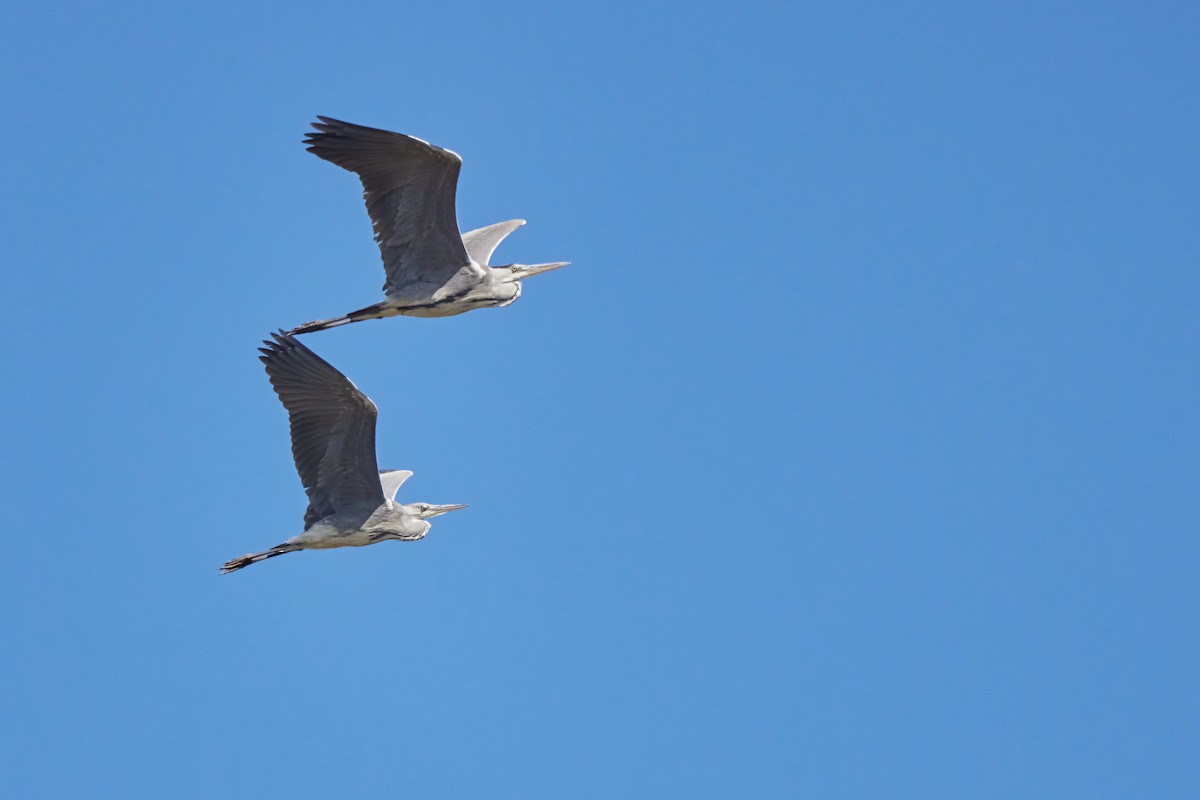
point(350, 502)
point(409, 186)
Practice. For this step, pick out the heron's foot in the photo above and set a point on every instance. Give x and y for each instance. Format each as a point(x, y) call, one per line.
point(325, 324)
point(309, 327)
point(237, 563)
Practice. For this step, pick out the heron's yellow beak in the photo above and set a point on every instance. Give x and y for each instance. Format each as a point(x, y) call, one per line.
point(435, 511)
point(521, 271)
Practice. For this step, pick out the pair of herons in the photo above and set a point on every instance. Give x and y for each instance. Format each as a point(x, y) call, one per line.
point(432, 271)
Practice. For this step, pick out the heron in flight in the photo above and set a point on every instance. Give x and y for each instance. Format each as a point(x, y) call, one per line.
point(350, 502)
point(409, 186)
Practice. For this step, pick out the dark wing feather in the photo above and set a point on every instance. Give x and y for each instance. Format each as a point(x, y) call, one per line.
point(409, 187)
point(333, 428)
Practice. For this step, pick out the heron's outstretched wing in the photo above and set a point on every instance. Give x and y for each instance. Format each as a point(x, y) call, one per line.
point(409, 186)
point(482, 242)
point(333, 428)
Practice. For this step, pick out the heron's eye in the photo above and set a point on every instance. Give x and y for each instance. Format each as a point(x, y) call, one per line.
point(515, 268)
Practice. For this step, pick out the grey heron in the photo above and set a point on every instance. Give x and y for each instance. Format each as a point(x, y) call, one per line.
point(350, 502)
point(409, 187)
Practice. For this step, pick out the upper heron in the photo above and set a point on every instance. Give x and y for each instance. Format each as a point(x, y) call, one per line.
point(350, 502)
point(409, 187)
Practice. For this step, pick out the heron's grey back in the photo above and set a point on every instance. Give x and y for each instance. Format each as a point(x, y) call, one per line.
point(332, 425)
point(409, 186)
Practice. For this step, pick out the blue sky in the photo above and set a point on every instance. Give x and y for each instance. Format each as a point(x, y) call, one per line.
point(855, 455)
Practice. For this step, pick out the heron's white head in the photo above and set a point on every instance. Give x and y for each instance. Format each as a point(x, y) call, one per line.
point(518, 272)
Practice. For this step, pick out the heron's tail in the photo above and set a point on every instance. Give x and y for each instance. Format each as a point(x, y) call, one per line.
point(254, 558)
point(377, 311)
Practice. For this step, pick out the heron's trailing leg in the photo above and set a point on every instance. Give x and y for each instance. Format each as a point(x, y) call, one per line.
point(377, 311)
point(254, 558)
point(320, 325)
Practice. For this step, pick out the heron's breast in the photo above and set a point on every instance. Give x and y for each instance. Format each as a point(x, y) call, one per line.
point(448, 309)
point(323, 536)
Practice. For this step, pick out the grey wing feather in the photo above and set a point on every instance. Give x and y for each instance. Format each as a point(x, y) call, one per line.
point(391, 480)
point(482, 242)
point(333, 428)
point(409, 187)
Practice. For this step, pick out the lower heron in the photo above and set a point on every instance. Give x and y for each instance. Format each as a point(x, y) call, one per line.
point(409, 186)
point(350, 502)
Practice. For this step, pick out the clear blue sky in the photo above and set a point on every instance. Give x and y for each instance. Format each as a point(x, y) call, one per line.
point(855, 456)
